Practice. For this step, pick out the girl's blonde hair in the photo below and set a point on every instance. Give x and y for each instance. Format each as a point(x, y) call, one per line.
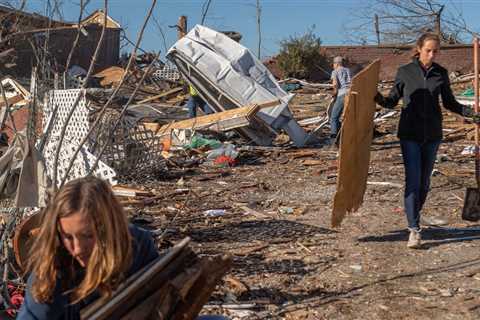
point(112, 253)
point(421, 42)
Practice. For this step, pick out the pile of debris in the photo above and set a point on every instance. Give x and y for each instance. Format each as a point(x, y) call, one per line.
point(126, 122)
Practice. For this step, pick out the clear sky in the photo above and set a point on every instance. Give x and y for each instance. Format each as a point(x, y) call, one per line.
point(279, 18)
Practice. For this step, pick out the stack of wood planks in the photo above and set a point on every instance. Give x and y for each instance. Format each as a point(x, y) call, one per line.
point(220, 121)
point(175, 286)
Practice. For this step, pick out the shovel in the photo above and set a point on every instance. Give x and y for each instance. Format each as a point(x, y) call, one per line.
point(330, 108)
point(471, 205)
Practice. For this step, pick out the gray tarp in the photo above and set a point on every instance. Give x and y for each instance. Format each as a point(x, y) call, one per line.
point(211, 61)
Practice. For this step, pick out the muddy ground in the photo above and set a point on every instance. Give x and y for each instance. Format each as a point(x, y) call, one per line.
point(288, 263)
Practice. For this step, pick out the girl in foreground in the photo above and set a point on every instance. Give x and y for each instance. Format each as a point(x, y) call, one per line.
point(85, 249)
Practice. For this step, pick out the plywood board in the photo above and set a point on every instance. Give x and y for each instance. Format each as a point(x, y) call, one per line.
point(356, 139)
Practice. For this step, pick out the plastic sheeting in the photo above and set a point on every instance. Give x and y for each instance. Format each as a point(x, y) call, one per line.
point(227, 75)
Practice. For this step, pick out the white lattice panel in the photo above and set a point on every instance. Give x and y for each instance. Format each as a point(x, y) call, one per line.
point(169, 72)
point(78, 126)
point(76, 130)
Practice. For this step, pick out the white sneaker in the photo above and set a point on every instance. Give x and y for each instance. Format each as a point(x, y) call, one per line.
point(414, 240)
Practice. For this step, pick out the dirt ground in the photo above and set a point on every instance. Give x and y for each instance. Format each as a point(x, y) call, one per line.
point(288, 263)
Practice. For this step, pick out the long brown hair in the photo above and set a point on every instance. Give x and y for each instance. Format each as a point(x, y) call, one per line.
point(111, 256)
point(421, 42)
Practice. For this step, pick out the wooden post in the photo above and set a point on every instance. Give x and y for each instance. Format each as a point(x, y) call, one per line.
point(475, 84)
point(259, 11)
point(475, 66)
point(182, 27)
point(476, 109)
point(438, 26)
point(377, 29)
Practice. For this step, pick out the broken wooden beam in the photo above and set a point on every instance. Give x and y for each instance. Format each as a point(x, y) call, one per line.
point(12, 100)
point(222, 121)
point(162, 95)
point(124, 191)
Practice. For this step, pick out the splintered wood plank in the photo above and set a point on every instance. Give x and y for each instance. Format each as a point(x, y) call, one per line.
point(228, 116)
point(175, 286)
point(110, 76)
point(356, 139)
point(162, 95)
point(11, 100)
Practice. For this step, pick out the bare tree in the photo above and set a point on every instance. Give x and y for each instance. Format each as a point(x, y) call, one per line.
point(401, 21)
point(259, 12)
point(83, 4)
point(14, 4)
point(205, 8)
point(162, 33)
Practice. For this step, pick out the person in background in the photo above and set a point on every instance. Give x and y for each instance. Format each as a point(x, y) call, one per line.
point(195, 101)
point(341, 78)
point(420, 84)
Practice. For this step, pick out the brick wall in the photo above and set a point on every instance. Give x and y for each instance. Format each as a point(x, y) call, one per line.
point(452, 57)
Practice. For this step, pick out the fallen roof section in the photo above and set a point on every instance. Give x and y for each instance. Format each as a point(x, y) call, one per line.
point(227, 76)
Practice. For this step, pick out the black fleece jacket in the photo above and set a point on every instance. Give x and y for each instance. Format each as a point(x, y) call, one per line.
point(421, 116)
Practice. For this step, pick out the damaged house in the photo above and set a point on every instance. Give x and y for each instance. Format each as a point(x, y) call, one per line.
point(25, 37)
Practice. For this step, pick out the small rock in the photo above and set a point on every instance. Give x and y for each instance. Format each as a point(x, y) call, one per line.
point(446, 292)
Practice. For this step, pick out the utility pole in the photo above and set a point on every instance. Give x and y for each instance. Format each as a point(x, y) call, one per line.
point(438, 27)
point(377, 29)
point(259, 11)
point(182, 27)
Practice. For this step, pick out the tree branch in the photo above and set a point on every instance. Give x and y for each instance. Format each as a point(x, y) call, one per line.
point(77, 99)
point(114, 93)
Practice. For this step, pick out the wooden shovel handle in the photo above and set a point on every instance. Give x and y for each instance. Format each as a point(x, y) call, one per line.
point(476, 109)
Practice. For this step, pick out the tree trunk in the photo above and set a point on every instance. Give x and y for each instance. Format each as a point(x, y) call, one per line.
point(258, 29)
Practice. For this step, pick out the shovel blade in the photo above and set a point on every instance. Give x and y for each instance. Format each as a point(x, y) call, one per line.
point(471, 205)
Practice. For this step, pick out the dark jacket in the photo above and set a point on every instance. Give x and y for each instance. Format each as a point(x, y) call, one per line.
point(144, 252)
point(421, 117)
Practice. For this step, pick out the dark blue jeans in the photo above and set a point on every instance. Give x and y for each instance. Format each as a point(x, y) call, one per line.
point(195, 102)
point(337, 111)
point(418, 159)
